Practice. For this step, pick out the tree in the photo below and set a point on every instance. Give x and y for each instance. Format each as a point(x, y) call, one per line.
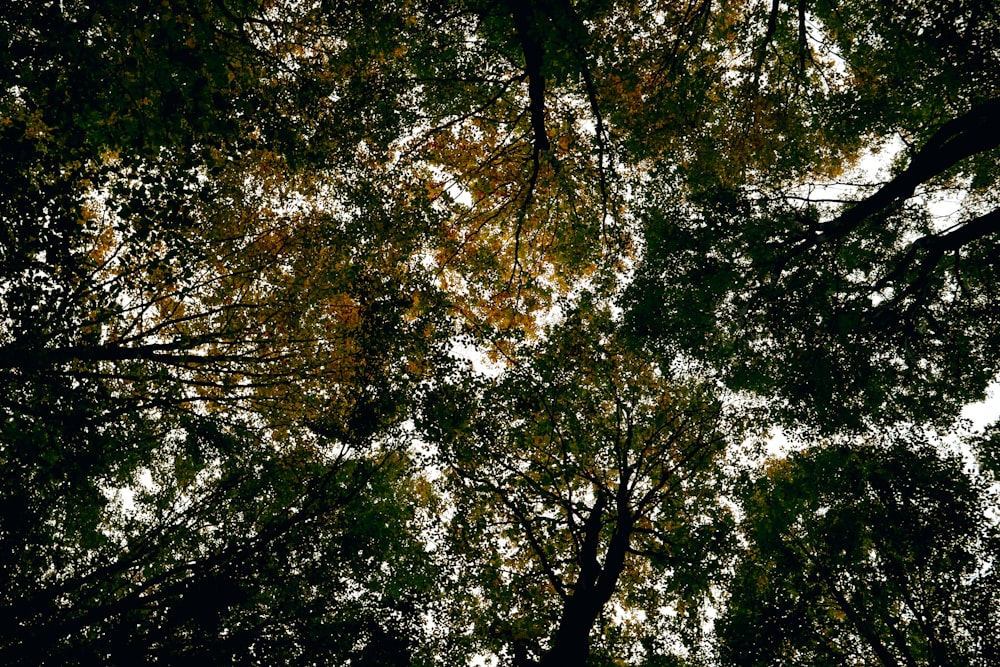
point(198, 256)
point(202, 357)
point(222, 563)
point(861, 304)
point(875, 554)
point(585, 485)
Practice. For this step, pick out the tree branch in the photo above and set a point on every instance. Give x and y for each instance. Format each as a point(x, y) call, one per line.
point(972, 133)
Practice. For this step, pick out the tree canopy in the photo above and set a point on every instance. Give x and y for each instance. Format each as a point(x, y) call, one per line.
point(882, 554)
point(450, 331)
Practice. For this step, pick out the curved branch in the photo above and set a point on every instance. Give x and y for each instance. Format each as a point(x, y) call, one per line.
point(576, 35)
point(972, 133)
point(772, 25)
point(533, 540)
point(936, 247)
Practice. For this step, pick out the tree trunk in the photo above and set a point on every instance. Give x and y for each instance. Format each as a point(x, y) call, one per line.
point(571, 645)
point(594, 587)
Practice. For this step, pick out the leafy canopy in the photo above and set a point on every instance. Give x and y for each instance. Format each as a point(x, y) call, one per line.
point(244, 245)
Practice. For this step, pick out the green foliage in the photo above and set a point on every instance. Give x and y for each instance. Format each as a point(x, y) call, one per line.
point(244, 245)
point(867, 307)
point(594, 481)
point(867, 553)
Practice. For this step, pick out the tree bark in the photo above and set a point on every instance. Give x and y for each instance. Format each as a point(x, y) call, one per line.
point(594, 587)
point(528, 34)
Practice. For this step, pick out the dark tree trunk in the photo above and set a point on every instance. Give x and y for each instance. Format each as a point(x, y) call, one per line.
point(594, 587)
point(571, 645)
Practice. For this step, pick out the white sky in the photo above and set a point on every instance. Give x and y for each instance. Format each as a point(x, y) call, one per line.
point(985, 412)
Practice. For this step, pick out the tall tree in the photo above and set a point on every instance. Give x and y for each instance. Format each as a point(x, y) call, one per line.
point(242, 241)
point(585, 486)
point(256, 559)
point(845, 294)
point(877, 554)
point(202, 343)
